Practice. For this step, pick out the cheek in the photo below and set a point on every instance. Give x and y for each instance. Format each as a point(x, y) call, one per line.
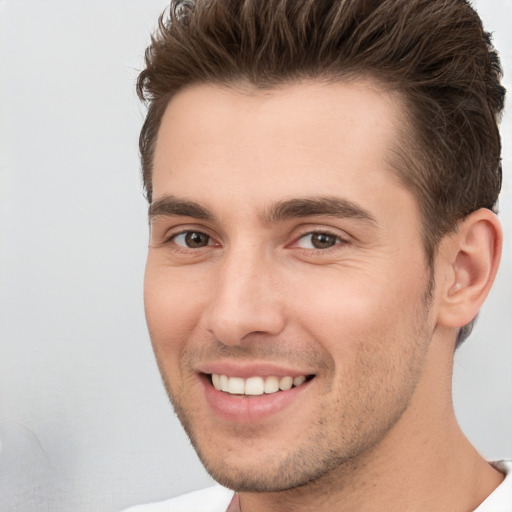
point(172, 310)
point(171, 316)
point(375, 333)
point(352, 308)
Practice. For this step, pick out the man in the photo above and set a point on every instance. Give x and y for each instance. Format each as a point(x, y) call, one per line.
point(322, 179)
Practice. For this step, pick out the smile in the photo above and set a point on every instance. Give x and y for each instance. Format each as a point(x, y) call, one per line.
point(248, 395)
point(255, 386)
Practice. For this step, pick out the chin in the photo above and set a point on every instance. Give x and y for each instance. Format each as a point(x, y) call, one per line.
point(265, 473)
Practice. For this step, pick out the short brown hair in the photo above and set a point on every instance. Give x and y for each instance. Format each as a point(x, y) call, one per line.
point(434, 52)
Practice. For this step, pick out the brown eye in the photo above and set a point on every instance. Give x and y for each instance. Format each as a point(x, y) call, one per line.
point(192, 239)
point(323, 240)
point(318, 240)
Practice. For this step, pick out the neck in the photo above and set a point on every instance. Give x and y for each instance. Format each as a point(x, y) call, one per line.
point(423, 463)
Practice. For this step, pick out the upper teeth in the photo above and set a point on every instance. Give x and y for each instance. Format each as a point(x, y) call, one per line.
point(254, 385)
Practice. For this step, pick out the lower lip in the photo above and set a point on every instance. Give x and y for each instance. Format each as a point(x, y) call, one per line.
point(249, 409)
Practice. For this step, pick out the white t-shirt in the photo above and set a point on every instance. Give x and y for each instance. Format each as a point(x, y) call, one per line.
point(217, 498)
point(501, 499)
point(211, 499)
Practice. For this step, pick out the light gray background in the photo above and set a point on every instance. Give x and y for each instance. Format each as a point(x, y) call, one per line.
point(85, 423)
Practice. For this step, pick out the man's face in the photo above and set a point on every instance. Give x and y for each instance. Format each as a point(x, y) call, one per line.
point(284, 248)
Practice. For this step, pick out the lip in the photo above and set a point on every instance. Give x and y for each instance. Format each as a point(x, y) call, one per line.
point(250, 370)
point(245, 409)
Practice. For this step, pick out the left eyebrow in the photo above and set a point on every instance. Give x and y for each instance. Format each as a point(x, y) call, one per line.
point(318, 206)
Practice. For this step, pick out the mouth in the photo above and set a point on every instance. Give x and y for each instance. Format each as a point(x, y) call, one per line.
point(251, 395)
point(256, 386)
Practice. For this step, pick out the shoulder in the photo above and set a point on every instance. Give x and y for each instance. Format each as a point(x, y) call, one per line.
point(211, 499)
point(501, 499)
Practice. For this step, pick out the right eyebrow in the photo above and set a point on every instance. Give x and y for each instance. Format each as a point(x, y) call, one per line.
point(172, 206)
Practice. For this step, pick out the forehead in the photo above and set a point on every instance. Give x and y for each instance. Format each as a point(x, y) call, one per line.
point(309, 137)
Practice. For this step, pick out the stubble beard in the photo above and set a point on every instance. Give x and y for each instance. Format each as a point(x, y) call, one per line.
point(318, 461)
point(314, 463)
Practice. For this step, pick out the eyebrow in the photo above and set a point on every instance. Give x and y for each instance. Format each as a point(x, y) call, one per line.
point(173, 206)
point(328, 206)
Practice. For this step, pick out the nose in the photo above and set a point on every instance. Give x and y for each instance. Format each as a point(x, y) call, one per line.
point(245, 299)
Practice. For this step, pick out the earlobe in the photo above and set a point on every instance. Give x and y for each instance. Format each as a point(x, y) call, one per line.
point(472, 260)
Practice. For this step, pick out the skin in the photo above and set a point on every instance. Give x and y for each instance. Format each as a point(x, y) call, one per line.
point(374, 428)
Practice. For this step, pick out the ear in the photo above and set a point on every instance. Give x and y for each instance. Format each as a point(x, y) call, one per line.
point(470, 260)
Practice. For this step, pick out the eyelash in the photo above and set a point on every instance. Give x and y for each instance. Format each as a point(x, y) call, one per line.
point(339, 241)
point(172, 239)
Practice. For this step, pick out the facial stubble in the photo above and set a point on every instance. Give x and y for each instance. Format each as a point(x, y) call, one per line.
point(317, 458)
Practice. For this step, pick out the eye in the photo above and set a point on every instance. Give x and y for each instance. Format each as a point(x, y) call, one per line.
point(191, 239)
point(318, 240)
